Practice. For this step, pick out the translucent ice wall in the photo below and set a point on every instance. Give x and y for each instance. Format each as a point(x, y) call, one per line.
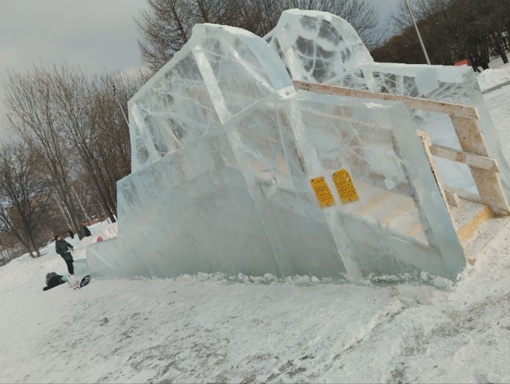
point(317, 46)
point(324, 48)
point(225, 156)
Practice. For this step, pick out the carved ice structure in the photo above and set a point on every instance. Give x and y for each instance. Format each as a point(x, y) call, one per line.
point(224, 149)
point(323, 48)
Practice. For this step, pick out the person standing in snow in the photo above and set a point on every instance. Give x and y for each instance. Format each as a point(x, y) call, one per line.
point(63, 248)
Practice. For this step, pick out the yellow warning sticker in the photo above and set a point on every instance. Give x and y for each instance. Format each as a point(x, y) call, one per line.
point(345, 186)
point(322, 192)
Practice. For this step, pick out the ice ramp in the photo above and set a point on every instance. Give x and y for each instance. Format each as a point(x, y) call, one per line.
point(237, 171)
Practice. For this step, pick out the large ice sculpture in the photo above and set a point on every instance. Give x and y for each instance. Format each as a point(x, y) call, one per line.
point(226, 155)
point(324, 48)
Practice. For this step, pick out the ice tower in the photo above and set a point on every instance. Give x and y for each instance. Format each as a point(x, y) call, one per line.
point(240, 168)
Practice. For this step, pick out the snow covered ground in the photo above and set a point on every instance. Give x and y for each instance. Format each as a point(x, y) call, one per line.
point(212, 329)
point(494, 77)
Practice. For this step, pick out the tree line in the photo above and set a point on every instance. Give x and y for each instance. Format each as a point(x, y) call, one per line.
point(68, 146)
point(452, 30)
point(69, 139)
point(167, 25)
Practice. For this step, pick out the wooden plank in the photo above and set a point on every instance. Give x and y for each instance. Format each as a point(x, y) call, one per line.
point(466, 111)
point(464, 119)
point(487, 182)
point(427, 143)
point(470, 135)
point(470, 159)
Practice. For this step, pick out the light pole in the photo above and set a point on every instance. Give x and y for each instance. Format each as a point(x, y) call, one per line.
point(418, 33)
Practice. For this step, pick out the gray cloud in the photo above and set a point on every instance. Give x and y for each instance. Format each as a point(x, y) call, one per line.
point(96, 33)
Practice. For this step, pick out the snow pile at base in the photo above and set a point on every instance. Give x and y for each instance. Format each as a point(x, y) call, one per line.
point(493, 77)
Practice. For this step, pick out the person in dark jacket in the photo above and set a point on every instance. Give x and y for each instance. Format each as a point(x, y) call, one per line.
point(53, 280)
point(63, 248)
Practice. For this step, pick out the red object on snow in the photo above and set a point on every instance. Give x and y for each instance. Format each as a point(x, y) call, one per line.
point(99, 238)
point(462, 62)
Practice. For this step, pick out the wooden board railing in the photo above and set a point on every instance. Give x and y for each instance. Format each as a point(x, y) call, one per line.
point(464, 118)
point(462, 110)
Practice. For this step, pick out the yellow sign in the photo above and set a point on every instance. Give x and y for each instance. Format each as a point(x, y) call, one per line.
point(322, 192)
point(344, 186)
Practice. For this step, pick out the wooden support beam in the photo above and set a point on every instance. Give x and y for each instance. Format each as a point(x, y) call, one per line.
point(470, 159)
point(487, 181)
point(425, 139)
point(466, 111)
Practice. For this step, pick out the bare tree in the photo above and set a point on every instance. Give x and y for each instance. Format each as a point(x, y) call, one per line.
point(167, 24)
point(261, 16)
point(453, 30)
point(111, 141)
point(95, 119)
point(78, 125)
point(73, 102)
point(33, 115)
point(24, 194)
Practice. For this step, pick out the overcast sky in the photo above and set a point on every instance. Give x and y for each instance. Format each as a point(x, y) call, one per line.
point(98, 35)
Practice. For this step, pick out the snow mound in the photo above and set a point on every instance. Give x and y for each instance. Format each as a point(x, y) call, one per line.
point(493, 77)
point(105, 230)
